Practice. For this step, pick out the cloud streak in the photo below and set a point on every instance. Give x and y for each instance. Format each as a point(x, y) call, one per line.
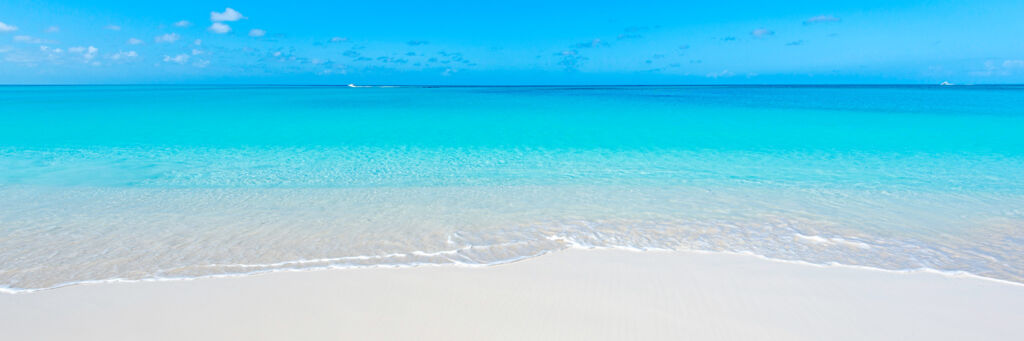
point(762, 33)
point(124, 55)
point(178, 59)
point(31, 40)
point(167, 38)
point(1007, 67)
point(7, 28)
point(821, 19)
point(720, 74)
point(591, 44)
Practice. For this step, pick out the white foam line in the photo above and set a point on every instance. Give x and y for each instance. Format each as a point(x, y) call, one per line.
point(293, 262)
point(450, 262)
point(569, 243)
point(946, 273)
point(9, 290)
point(952, 274)
point(833, 241)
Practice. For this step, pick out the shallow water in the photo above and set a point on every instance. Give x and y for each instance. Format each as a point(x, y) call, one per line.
point(137, 182)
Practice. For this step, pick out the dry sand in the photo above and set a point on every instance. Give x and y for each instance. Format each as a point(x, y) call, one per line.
point(571, 295)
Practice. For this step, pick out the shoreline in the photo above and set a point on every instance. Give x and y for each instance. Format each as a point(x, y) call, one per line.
point(569, 294)
point(572, 248)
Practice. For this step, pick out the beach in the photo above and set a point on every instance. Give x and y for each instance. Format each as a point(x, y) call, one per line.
point(569, 295)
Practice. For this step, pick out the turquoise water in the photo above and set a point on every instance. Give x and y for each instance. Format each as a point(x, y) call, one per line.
point(154, 182)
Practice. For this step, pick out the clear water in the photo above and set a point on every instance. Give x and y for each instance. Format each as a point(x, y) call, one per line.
point(135, 182)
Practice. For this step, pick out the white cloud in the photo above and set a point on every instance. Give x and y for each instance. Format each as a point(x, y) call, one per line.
point(1006, 68)
point(124, 55)
point(590, 44)
point(180, 59)
point(257, 32)
point(32, 40)
point(723, 73)
point(198, 42)
point(90, 53)
point(196, 52)
point(113, 27)
point(52, 29)
point(87, 52)
point(761, 33)
point(7, 28)
point(134, 41)
point(183, 23)
point(19, 58)
point(1013, 63)
point(228, 15)
point(25, 39)
point(220, 28)
point(168, 38)
point(820, 19)
point(201, 63)
point(326, 72)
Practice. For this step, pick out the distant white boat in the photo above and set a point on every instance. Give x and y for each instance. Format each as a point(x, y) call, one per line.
point(351, 85)
point(945, 83)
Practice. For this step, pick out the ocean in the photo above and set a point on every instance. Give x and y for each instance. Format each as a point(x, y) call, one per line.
point(136, 183)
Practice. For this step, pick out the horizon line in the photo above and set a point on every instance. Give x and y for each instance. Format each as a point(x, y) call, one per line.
point(518, 85)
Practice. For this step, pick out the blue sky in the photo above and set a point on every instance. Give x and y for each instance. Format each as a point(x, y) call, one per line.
point(522, 42)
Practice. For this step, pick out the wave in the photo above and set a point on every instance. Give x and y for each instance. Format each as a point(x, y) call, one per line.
point(462, 256)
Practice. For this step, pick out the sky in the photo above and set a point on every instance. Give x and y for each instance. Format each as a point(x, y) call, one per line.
point(511, 43)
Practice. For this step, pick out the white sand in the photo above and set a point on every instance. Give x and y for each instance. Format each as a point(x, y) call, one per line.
point(572, 295)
